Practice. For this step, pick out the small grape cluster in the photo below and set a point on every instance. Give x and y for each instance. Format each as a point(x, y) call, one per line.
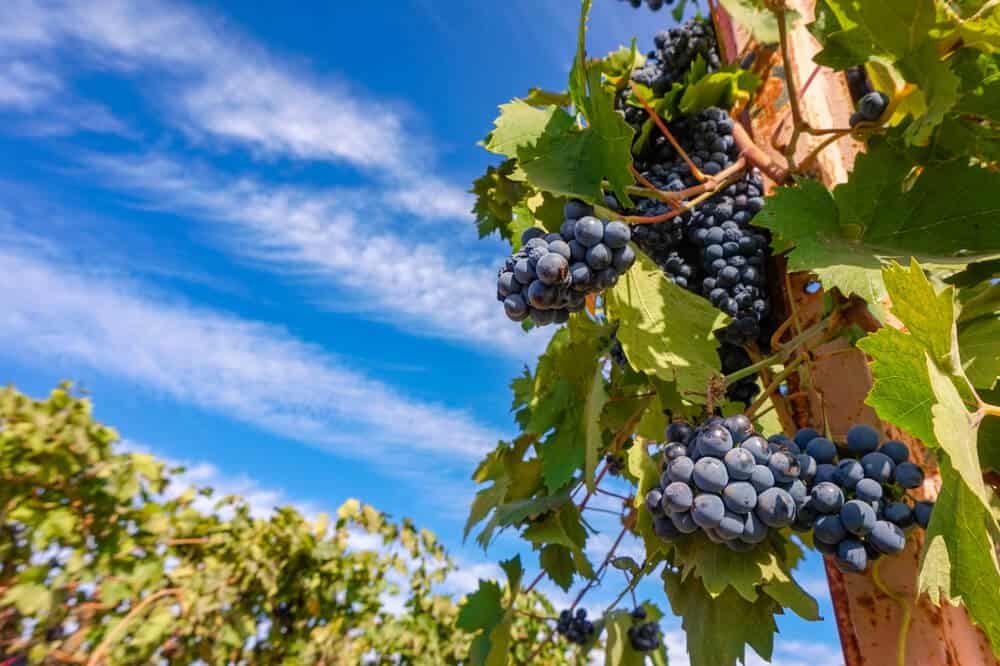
point(676, 49)
point(857, 508)
point(551, 275)
point(615, 463)
point(871, 106)
point(575, 628)
point(729, 482)
point(644, 637)
point(655, 5)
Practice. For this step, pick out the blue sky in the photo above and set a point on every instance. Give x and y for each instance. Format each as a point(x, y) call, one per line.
point(245, 231)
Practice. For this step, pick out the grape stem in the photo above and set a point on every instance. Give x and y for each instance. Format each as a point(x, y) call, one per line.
point(773, 386)
point(733, 175)
point(643, 570)
point(695, 171)
point(905, 609)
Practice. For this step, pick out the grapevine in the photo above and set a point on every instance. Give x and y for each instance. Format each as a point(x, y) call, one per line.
point(796, 357)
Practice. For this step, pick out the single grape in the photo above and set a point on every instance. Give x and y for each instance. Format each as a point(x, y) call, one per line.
point(899, 514)
point(507, 284)
point(761, 478)
point(896, 450)
point(776, 508)
point(825, 548)
point(829, 529)
point(922, 513)
point(680, 469)
point(739, 464)
point(664, 528)
point(575, 209)
point(542, 296)
point(740, 497)
point(807, 466)
point(577, 250)
point(622, 259)
point(561, 248)
point(515, 307)
point(908, 475)
point(887, 538)
point(780, 442)
point(639, 613)
point(739, 427)
point(784, 466)
point(805, 517)
point(708, 510)
point(580, 275)
point(598, 257)
point(674, 450)
point(877, 466)
point(531, 233)
point(850, 472)
point(822, 449)
point(677, 497)
point(851, 556)
point(804, 436)
point(710, 474)
point(731, 525)
point(654, 498)
point(754, 529)
point(678, 431)
point(684, 522)
point(862, 439)
point(616, 235)
point(524, 272)
point(858, 517)
point(715, 441)
point(552, 268)
point(826, 472)
point(757, 445)
point(567, 230)
point(827, 497)
point(868, 490)
point(873, 105)
point(797, 489)
point(589, 231)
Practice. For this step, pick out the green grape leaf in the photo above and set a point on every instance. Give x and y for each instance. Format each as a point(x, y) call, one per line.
point(626, 564)
point(28, 598)
point(542, 97)
point(845, 43)
point(597, 397)
point(939, 86)
point(485, 501)
point(755, 19)
point(723, 88)
point(745, 622)
point(979, 345)
point(557, 562)
point(790, 594)
point(902, 392)
point(719, 568)
point(929, 316)
point(957, 564)
point(520, 124)
point(680, 350)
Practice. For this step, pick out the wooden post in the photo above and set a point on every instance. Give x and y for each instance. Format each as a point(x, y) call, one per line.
point(868, 619)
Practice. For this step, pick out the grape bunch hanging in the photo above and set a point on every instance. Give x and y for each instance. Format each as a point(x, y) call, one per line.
point(734, 486)
point(655, 5)
point(551, 275)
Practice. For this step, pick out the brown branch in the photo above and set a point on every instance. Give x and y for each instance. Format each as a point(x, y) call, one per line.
point(695, 171)
point(119, 629)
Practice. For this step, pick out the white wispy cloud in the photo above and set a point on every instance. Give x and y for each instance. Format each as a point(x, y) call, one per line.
point(214, 81)
point(341, 237)
point(253, 372)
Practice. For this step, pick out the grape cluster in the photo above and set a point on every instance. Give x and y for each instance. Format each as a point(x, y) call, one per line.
point(576, 628)
point(713, 251)
point(871, 106)
point(732, 484)
point(727, 481)
point(551, 275)
point(644, 637)
point(857, 508)
point(676, 49)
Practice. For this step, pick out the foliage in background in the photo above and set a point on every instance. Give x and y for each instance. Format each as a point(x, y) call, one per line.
point(101, 561)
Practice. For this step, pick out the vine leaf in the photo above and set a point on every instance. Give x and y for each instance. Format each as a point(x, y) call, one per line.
point(646, 472)
point(658, 342)
point(484, 613)
point(843, 237)
point(957, 564)
point(755, 19)
point(722, 88)
point(745, 622)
